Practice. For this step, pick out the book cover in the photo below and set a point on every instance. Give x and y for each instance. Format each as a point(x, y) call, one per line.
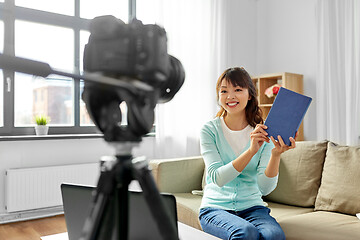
point(286, 114)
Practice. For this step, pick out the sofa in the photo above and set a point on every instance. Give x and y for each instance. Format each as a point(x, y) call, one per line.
point(317, 196)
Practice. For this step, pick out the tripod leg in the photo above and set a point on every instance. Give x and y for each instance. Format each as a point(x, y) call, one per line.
point(153, 198)
point(108, 218)
point(123, 178)
point(101, 200)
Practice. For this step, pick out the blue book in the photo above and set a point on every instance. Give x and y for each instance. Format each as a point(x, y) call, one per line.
point(286, 114)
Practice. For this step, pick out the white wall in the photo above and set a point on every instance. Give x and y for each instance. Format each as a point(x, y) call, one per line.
point(286, 42)
point(241, 46)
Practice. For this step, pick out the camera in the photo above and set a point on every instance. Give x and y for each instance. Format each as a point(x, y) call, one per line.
point(131, 53)
point(135, 50)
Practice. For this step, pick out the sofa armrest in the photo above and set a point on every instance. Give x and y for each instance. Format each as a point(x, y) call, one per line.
point(178, 175)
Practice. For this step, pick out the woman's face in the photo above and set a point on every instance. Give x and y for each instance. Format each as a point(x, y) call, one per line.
point(233, 98)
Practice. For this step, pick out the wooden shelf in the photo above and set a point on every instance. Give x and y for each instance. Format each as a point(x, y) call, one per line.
point(291, 81)
point(265, 105)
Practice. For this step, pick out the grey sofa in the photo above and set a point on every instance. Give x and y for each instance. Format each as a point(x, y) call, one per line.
point(317, 196)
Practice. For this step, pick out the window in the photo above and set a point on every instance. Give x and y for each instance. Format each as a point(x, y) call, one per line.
point(148, 11)
point(84, 116)
point(54, 45)
point(92, 8)
point(54, 6)
point(54, 32)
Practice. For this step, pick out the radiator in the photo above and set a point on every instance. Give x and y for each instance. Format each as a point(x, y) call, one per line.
point(34, 188)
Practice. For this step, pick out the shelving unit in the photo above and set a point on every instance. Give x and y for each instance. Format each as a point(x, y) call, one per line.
point(287, 80)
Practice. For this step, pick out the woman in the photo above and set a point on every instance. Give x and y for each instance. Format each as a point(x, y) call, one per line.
point(242, 164)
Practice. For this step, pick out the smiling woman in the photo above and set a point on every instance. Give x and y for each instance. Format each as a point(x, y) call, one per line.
point(233, 98)
point(242, 164)
point(233, 87)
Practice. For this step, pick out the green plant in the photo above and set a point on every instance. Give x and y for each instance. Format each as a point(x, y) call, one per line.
point(42, 120)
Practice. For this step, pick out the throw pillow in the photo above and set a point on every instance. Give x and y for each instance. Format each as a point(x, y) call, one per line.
point(300, 174)
point(339, 190)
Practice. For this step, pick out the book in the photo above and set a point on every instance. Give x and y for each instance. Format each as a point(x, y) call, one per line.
point(286, 114)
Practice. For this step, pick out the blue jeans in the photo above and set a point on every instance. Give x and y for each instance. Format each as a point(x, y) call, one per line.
point(252, 223)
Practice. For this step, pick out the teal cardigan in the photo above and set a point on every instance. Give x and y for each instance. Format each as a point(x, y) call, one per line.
point(225, 187)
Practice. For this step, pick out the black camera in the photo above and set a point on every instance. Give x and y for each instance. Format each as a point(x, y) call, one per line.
point(134, 50)
point(130, 53)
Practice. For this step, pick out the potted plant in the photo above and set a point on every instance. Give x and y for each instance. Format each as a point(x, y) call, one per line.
point(41, 127)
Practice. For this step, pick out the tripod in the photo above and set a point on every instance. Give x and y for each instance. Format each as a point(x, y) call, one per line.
point(109, 215)
point(108, 219)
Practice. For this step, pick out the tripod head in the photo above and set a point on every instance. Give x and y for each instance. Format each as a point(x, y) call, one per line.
point(102, 103)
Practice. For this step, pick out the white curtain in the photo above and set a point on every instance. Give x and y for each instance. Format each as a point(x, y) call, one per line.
point(338, 76)
point(191, 29)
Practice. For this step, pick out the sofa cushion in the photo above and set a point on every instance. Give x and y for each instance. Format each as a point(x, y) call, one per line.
point(188, 208)
point(321, 226)
point(281, 211)
point(339, 190)
point(300, 174)
point(178, 175)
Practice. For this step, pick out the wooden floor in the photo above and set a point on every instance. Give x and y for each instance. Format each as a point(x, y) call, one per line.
point(33, 229)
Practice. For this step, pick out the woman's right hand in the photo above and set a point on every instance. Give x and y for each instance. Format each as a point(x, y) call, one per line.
point(258, 137)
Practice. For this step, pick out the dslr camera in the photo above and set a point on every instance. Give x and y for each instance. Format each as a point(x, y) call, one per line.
point(134, 50)
point(128, 52)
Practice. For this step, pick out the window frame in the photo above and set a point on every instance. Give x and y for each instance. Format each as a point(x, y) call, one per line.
point(9, 13)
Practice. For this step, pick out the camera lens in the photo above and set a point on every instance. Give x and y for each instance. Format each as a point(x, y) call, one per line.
point(174, 81)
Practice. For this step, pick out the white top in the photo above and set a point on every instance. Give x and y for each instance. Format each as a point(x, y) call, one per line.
point(236, 139)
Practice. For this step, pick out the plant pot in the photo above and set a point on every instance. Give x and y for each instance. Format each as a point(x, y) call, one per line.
point(41, 130)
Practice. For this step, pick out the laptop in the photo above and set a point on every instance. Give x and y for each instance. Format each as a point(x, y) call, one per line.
point(77, 206)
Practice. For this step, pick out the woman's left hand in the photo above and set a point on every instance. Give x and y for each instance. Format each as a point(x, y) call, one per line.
point(280, 146)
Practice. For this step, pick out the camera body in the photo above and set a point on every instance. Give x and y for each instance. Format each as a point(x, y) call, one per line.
point(135, 50)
